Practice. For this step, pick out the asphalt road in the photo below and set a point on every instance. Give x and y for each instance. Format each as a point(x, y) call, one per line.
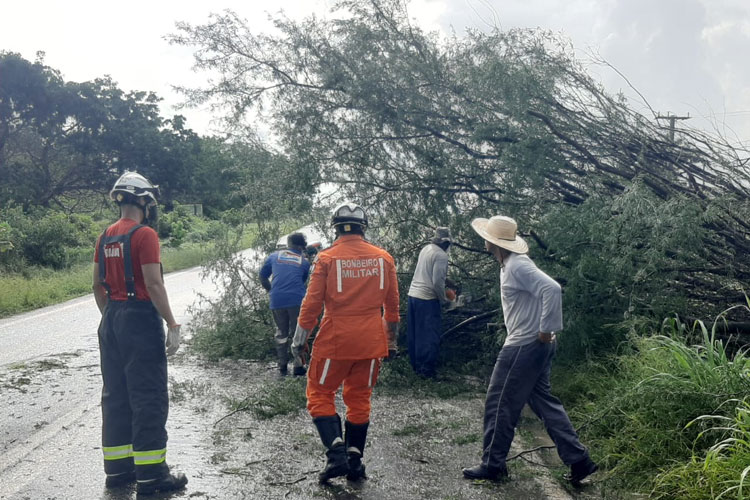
point(50, 386)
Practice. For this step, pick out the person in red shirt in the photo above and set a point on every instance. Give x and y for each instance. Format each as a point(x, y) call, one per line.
point(129, 291)
point(356, 282)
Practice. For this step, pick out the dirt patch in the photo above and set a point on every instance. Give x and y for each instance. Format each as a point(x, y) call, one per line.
point(268, 447)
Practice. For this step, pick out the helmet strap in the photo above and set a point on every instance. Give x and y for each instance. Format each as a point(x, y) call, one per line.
point(150, 215)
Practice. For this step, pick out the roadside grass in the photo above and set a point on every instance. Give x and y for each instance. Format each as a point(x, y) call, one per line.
point(37, 287)
point(658, 418)
point(723, 472)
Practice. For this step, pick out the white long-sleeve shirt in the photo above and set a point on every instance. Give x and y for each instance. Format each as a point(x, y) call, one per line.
point(532, 301)
point(428, 282)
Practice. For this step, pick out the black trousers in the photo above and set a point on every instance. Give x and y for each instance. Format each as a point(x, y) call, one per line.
point(521, 376)
point(135, 401)
point(286, 323)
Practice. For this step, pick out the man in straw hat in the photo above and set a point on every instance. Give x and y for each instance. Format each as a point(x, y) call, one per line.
point(532, 310)
point(426, 294)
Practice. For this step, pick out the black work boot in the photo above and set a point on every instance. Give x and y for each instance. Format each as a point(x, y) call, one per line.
point(299, 371)
point(482, 472)
point(118, 480)
point(329, 429)
point(581, 470)
point(356, 437)
point(168, 482)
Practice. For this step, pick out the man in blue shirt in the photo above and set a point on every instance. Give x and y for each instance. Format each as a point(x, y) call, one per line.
point(289, 268)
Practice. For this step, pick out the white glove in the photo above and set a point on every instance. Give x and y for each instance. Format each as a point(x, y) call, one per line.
point(173, 339)
point(299, 342)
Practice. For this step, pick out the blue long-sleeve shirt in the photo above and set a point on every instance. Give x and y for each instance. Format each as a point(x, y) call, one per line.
point(289, 269)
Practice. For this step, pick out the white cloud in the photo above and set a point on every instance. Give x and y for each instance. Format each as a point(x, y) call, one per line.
point(684, 55)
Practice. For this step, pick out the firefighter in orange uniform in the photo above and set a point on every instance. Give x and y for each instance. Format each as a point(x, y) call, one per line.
point(356, 282)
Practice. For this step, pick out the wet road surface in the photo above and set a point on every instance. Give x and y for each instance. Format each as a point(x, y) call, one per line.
point(50, 426)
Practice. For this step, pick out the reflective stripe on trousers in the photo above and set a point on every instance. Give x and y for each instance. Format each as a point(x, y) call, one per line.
point(117, 452)
point(150, 457)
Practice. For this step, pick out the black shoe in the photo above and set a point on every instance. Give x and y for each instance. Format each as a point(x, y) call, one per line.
point(283, 372)
point(170, 482)
point(337, 464)
point(356, 467)
point(581, 470)
point(299, 371)
point(481, 471)
point(118, 480)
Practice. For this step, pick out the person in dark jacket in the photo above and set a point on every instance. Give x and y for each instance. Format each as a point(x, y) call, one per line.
point(288, 268)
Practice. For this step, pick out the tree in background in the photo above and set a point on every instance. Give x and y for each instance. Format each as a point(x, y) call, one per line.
point(60, 140)
point(429, 131)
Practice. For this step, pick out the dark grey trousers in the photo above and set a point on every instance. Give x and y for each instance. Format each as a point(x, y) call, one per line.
point(521, 376)
point(286, 323)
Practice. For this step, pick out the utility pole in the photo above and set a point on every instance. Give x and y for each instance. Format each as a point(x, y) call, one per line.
point(672, 120)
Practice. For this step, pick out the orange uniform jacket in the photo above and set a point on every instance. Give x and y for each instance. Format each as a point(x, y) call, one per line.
point(356, 281)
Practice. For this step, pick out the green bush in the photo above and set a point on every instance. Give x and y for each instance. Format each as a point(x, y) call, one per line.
point(234, 331)
point(723, 473)
point(46, 238)
point(643, 416)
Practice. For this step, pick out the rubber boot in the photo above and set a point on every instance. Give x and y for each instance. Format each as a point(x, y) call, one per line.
point(329, 429)
point(168, 482)
point(356, 437)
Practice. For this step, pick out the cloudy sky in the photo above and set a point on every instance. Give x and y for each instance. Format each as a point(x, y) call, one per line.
point(685, 56)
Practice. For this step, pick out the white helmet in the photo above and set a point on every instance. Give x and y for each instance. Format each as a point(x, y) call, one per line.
point(134, 184)
point(349, 213)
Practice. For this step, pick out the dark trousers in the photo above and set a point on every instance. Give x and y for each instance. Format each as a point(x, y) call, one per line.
point(424, 326)
point(135, 402)
point(286, 323)
point(521, 376)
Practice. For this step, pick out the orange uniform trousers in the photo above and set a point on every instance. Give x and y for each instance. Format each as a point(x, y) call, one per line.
point(325, 376)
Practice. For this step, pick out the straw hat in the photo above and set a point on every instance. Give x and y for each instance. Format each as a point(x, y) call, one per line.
point(501, 231)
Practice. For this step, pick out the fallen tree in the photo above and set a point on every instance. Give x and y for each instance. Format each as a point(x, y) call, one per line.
point(427, 130)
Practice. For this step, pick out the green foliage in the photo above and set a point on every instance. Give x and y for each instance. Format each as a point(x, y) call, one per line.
point(5, 243)
point(397, 377)
point(47, 238)
point(427, 130)
point(644, 415)
point(281, 397)
point(60, 139)
point(41, 287)
point(239, 323)
point(723, 473)
point(175, 226)
point(620, 258)
point(235, 331)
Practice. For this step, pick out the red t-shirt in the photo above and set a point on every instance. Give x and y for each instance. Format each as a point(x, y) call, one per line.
point(144, 249)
